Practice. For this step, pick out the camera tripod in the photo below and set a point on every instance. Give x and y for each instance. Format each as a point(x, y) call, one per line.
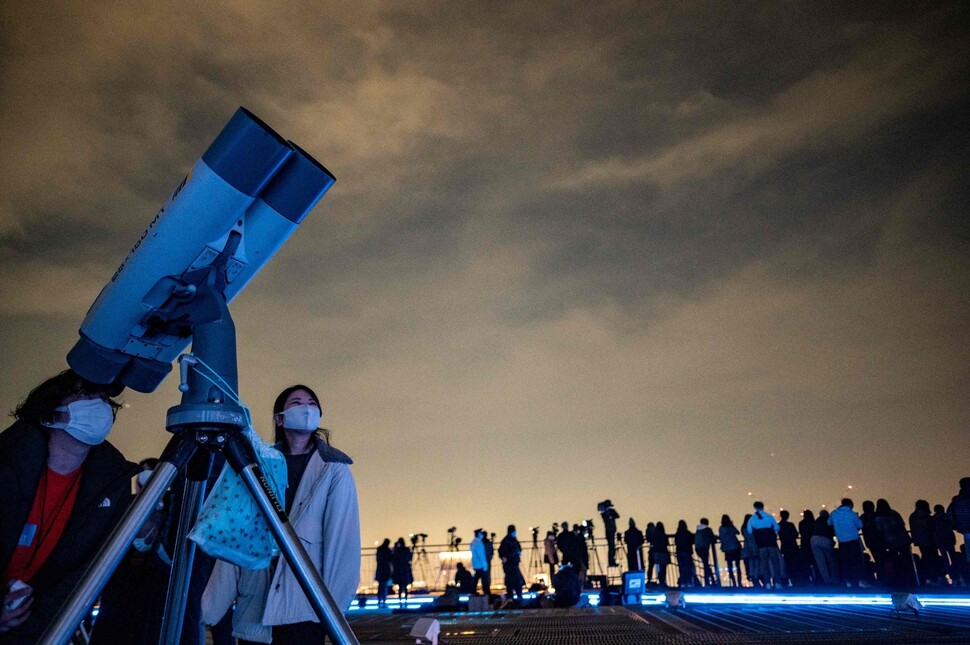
point(536, 556)
point(206, 421)
point(598, 570)
point(621, 552)
point(421, 563)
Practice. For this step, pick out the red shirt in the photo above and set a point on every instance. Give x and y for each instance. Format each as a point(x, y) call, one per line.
point(53, 503)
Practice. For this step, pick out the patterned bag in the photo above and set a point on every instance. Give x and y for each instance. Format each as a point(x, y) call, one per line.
point(231, 526)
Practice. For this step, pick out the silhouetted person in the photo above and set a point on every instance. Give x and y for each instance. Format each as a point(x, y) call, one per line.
point(823, 549)
point(959, 513)
point(569, 588)
point(572, 548)
point(610, 516)
point(788, 537)
point(582, 552)
point(563, 543)
point(749, 553)
point(488, 541)
point(893, 530)
point(704, 538)
point(921, 530)
point(873, 539)
point(511, 553)
point(684, 548)
point(806, 529)
point(660, 552)
point(464, 579)
point(731, 547)
point(401, 564)
point(634, 547)
point(383, 572)
point(651, 563)
point(945, 540)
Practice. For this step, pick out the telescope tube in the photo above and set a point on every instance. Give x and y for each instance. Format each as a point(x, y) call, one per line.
point(251, 184)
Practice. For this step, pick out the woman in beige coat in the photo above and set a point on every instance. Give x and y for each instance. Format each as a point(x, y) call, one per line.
point(321, 500)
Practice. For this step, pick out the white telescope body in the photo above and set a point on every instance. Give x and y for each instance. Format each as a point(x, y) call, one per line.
point(250, 183)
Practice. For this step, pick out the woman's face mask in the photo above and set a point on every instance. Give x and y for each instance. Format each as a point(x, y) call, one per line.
point(88, 420)
point(302, 418)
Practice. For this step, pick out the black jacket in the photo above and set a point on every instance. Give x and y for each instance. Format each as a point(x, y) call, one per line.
point(103, 496)
point(510, 551)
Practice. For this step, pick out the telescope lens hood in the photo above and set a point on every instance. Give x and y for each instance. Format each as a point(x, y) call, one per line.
point(298, 186)
point(246, 153)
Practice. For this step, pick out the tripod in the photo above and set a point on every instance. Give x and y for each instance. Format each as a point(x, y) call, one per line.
point(598, 569)
point(536, 556)
point(421, 562)
point(620, 556)
point(206, 421)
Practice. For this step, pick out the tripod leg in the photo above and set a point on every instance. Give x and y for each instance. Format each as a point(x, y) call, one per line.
point(240, 456)
point(176, 455)
point(178, 584)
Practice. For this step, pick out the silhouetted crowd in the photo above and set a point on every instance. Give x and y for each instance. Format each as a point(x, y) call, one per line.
point(837, 548)
point(841, 548)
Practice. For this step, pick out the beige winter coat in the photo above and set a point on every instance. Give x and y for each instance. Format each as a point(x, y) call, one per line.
point(325, 516)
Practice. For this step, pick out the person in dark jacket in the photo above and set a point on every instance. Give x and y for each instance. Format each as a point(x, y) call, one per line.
point(573, 549)
point(788, 537)
point(401, 569)
point(873, 539)
point(921, 531)
point(651, 563)
point(704, 539)
point(946, 542)
point(823, 548)
point(384, 570)
point(806, 529)
point(684, 547)
point(609, 515)
point(900, 570)
point(731, 546)
point(63, 488)
point(660, 551)
point(563, 543)
point(511, 554)
point(959, 513)
point(634, 547)
point(464, 579)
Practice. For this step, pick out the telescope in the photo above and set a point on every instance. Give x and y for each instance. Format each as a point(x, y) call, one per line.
point(231, 213)
point(238, 204)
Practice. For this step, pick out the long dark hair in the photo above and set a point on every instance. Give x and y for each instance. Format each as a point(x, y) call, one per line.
point(39, 406)
point(278, 433)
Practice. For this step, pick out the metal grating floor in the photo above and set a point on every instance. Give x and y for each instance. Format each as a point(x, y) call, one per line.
point(656, 626)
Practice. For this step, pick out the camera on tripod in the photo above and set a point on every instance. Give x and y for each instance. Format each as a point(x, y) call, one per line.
point(588, 529)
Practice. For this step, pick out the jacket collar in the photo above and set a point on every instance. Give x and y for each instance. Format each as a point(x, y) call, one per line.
point(327, 453)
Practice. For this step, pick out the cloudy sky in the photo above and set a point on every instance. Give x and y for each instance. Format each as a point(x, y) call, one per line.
point(675, 254)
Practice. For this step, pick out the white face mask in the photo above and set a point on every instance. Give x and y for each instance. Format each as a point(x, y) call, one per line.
point(302, 418)
point(89, 420)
